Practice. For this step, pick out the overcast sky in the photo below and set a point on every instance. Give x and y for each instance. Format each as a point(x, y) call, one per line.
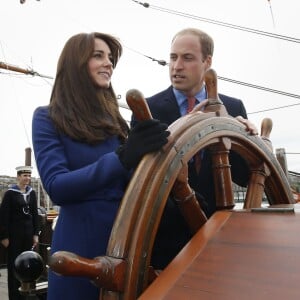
point(32, 36)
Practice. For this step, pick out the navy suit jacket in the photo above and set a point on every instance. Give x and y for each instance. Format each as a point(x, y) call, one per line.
point(173, 232)
point(163, 106)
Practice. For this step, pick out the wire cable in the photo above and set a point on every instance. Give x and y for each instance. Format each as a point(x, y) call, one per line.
point(220, 23)
point(260, 87)
point(272, 15)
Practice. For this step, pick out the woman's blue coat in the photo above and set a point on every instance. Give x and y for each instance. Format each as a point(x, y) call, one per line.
point(88, 183)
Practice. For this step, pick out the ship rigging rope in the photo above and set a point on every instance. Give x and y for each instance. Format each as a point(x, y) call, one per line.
point(17, 103)
point(220, 23)
point(271, 11)
point(260, 87)
point(21, 113)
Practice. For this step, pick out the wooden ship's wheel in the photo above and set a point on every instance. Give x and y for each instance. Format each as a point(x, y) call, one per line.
point(125, 271)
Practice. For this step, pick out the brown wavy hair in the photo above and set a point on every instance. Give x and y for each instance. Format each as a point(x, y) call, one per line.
point(77, 107)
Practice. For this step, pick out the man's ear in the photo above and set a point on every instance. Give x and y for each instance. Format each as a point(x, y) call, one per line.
point(208, 61)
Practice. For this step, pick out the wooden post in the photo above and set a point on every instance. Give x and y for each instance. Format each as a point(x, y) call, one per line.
point(28, 156)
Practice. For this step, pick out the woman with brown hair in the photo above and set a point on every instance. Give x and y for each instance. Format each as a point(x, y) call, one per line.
point(85, 153)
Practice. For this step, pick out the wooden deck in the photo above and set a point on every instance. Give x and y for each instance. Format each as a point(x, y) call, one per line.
point(236, 255)
point(3, 284)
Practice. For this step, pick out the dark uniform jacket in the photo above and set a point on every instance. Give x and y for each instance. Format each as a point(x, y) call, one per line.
point(19, 223)
point(18, 214)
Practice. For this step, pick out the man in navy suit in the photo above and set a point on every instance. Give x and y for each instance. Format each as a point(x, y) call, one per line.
point(190, 57)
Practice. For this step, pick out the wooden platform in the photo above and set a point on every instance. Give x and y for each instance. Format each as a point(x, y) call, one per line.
point(236, 255)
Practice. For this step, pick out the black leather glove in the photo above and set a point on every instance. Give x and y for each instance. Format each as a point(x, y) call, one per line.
point(146, 136)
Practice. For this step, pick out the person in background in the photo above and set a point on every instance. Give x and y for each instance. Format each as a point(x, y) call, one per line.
point(19, 226)
point(190, 57)
point(85, 153)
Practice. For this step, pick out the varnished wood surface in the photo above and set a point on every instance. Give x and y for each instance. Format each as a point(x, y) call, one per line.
point(236, 255)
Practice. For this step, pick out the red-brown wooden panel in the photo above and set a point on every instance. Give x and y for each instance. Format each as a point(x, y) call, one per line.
point(236, 255)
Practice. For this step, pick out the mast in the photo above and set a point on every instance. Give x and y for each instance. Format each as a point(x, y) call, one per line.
point(9, 67)
point(13, 68)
